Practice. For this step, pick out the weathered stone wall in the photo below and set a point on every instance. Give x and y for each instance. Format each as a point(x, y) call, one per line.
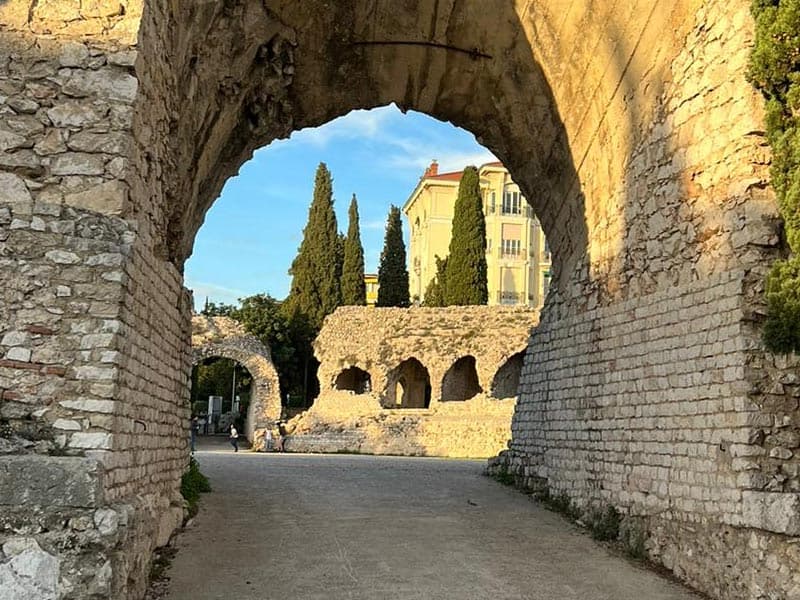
point(345, 422)
point(225, 338)
point(652, 393)
point(377, 341)
point(95, 341)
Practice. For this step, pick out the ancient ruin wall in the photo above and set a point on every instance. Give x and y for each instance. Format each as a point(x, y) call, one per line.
point(225, 338)
point(652, 392)
point(377, 341)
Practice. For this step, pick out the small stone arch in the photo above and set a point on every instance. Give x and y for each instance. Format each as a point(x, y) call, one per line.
point(461, 382)
point(505, 383)
point(354, 379)
point(225, 338)
point(408, 385)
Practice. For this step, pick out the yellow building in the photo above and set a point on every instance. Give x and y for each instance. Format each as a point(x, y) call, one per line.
point(371, 282)
point(517, 256)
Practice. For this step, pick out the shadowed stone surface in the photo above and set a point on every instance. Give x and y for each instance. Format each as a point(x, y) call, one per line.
point(50, 481)
point(357, 527)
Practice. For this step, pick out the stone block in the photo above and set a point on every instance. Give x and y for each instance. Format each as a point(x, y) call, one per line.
point(30, 573)
point(772, 511)
point(108, 198)
point(13, 189)
point(50, 481)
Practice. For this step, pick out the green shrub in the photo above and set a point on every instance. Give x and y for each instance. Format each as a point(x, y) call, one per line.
point(775, 71)
point(604, 524)
point(193, 483)
point(503, 476)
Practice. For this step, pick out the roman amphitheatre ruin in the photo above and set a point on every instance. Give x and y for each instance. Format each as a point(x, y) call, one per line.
point(629, 126)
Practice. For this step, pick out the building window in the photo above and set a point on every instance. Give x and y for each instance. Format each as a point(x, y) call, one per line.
point(512, 201)
point(492, 205)
point(488, 245)
point(510, 248)
point(545, 283)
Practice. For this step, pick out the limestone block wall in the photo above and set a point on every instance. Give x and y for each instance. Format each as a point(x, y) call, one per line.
point(224, 337)
point(94, 344)
point(652, 392)
point(378, 340)
point(341, 421)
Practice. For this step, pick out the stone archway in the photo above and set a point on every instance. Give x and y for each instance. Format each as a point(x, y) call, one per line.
point(225, 338)
point(505, 383)
point(461, 381)
point(631, 129)
point(407, 386)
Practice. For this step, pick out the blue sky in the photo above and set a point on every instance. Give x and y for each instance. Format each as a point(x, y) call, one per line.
point(252, 232)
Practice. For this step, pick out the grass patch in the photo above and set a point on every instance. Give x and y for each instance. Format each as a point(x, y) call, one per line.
point(604, 524)
point(503, 476)
point(193, 483)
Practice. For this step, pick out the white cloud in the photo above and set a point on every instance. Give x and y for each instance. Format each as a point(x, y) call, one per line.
point(377, 225)
point(448, 161)
point(357, 124)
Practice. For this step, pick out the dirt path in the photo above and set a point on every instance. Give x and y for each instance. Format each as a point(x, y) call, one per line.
point(371, 528)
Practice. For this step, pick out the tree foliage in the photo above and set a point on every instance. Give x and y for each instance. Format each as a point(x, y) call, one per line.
point(466, 272)
point(392, 272)
point(775, 71)
point(434, 293)
point(315, 291)
point(354, 290)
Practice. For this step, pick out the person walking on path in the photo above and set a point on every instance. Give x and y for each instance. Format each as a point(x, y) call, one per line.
point(267, 440)
point(234, 438)
point(194, 427)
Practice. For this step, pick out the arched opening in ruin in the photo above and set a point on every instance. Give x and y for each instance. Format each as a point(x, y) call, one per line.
point(355, 380)
point(228, 362)
point(221, 393)
point(505, 382)
point(460, 382)
point(408, 386)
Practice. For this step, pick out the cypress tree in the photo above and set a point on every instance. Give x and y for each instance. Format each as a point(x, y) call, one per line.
point(434, 293)
point(354, 290)
point(315, 271)
point(465, 275)
point(392, 272)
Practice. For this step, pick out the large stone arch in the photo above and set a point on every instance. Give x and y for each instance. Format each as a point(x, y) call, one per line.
point(225, 338)
point(631, 129)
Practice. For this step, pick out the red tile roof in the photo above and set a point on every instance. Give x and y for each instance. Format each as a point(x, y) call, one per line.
point(452, 176)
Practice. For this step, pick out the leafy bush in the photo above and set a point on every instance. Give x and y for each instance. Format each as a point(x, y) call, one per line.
point(775, 71)
point(193, 483)
point(604, 524)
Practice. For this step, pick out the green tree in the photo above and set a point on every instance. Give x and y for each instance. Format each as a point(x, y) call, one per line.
point(263, 316)
point(212, 309)
point(354, 290)
point(214, 377)
point(392, 271)
point(466, 277)
point(434, 293)
point(775, 70)
point(315, 271)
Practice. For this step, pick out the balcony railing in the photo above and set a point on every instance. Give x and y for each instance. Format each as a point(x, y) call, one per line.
point(509, 297)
